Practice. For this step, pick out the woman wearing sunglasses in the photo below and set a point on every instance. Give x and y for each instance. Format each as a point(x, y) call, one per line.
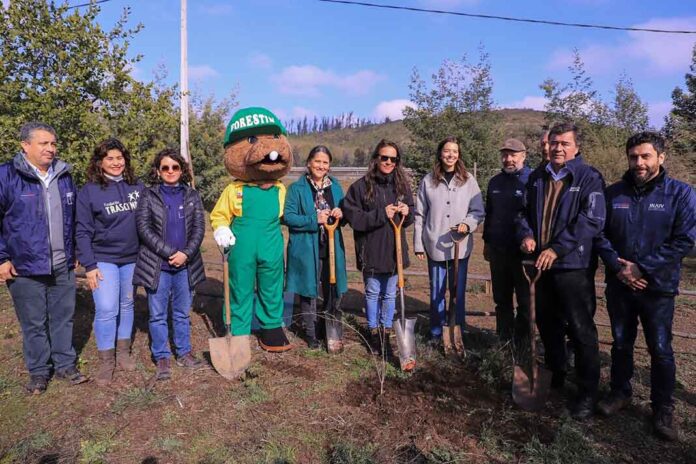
point(311, 202)
point(171, 225)
point(107, 246)
point(449, 207)
point(383, 193)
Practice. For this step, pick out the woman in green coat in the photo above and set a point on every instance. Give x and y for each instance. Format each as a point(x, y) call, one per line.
point(312, 201)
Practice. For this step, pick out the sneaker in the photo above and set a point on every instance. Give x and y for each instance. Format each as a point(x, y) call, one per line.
point(164, 369)
point(313, 343)
point(663, 425)
point(613, 403)
point(37, 384)
point(583, 408)
point(189, 361)
point(71, 375)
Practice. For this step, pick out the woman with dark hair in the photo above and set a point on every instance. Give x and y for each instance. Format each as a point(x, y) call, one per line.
point(448, 198)
point(383, 193)
point(171, 224)
point(312, 201)
point(107, 247)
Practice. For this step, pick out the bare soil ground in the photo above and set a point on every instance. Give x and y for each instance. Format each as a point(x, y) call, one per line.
point(306, 406)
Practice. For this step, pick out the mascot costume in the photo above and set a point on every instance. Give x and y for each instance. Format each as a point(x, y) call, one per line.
point(246, 219)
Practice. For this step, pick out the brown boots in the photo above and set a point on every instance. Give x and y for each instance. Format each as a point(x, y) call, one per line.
point(123, 355)
point(105, 370)
point(109, 359)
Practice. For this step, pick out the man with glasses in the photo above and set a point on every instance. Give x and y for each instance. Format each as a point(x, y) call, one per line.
point(564, 213)
point(37, 254)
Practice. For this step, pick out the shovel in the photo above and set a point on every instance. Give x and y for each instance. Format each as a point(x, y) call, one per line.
point(230, 354)
point(452, 336)
point(529, 392)
point(334, 326)
point(404, 328)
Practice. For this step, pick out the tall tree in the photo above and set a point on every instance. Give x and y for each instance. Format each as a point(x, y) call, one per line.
point(458, 102)
point(680, 125)
point(629, 112)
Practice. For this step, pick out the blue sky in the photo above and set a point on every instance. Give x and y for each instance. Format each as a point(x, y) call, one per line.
point(304, 57)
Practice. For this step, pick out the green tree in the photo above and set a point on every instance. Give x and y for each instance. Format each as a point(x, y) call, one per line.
point(680, 125)
point(60, 66)
point(458, 102)
point(629, 112)
point(359, 157)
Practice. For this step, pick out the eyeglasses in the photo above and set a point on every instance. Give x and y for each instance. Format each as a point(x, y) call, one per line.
point(173, 168)
point(393, 159)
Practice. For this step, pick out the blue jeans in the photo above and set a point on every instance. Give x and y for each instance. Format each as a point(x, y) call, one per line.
point(113, 305)
point(380, 299)
point(441, 275)
point(45, 306)
point(656, 313)
point(174, 285)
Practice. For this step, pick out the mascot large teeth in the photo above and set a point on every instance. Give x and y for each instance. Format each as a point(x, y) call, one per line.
point(246, 218)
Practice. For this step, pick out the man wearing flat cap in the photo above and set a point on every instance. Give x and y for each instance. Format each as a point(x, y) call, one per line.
point(504, 198)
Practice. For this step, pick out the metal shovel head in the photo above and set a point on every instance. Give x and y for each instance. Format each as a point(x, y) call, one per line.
point(334, 334)
point(452, 340)
point(406, 342)
point(530, 393)
point(230, 355)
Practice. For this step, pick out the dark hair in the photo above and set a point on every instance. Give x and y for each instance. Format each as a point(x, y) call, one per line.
point(563, 127)
point(653, 138)
point(319, 149)
point(459, 169)
point(176, 156)
point(94, 170)
point(26, 131)
point(401, 179)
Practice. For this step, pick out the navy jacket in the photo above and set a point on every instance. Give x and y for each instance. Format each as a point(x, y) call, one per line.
point(654, 227)
point(579, 218)
point(504, 199)
point(105, 228)
point(24, 237)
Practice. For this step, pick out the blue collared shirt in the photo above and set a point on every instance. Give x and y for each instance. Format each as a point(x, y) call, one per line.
point(556, 176)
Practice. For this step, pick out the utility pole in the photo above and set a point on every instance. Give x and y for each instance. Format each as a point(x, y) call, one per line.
point(184, 107)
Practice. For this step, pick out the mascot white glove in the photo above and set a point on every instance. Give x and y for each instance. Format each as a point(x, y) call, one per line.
point(224, 237)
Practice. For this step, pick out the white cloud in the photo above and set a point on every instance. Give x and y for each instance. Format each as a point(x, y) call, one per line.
point(217, 9)
point(307, 81)
point(657, 112)
point(653, 53)
point(392, 109)
point(281, 113)
point(260, 61)
point(203, 72)
point(531, 102)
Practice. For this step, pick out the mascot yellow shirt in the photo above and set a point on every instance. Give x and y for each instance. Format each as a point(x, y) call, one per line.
point(229, 205)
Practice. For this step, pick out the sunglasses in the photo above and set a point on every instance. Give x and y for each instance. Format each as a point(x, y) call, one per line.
point(393, 159)
point(173, 168)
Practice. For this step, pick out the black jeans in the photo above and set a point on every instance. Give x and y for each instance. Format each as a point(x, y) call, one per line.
point(655, 313)
point(567, 296)
point(308, 305)
point(507, 279)
point(45, 306)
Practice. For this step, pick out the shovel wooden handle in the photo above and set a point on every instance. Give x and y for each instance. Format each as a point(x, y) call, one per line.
point(226, 287)
point(330, 229)
point(399, 258)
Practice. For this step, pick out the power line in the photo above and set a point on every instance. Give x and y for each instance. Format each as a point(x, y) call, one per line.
point(509, 18)
point(88, 4)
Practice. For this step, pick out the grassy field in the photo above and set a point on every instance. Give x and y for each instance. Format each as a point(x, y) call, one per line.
point(309, 407)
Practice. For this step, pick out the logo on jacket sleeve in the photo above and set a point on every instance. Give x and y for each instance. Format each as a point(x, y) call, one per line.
point(70, 198)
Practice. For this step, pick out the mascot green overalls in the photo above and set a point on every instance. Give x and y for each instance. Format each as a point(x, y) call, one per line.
point(246, 219)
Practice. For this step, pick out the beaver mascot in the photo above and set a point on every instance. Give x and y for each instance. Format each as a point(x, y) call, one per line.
point(246, 219)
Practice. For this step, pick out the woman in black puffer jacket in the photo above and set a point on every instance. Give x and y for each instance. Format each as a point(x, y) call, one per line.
point(171, 223)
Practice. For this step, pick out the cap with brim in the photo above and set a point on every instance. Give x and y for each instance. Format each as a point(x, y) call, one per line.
point(513, 145)
point(252, 121)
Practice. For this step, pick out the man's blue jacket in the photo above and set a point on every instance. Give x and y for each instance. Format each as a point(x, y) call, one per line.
point(24, 237)
point(504, 198)
point(653, 226)
point(579, 217)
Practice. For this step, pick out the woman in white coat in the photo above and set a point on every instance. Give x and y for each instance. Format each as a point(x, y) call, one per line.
point(448, 197)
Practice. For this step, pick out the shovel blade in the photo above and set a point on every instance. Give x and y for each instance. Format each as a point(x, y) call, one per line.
point(452, 340)
point(334, 334)
point(530, 393)
point(230, 355)
point(406, 343)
